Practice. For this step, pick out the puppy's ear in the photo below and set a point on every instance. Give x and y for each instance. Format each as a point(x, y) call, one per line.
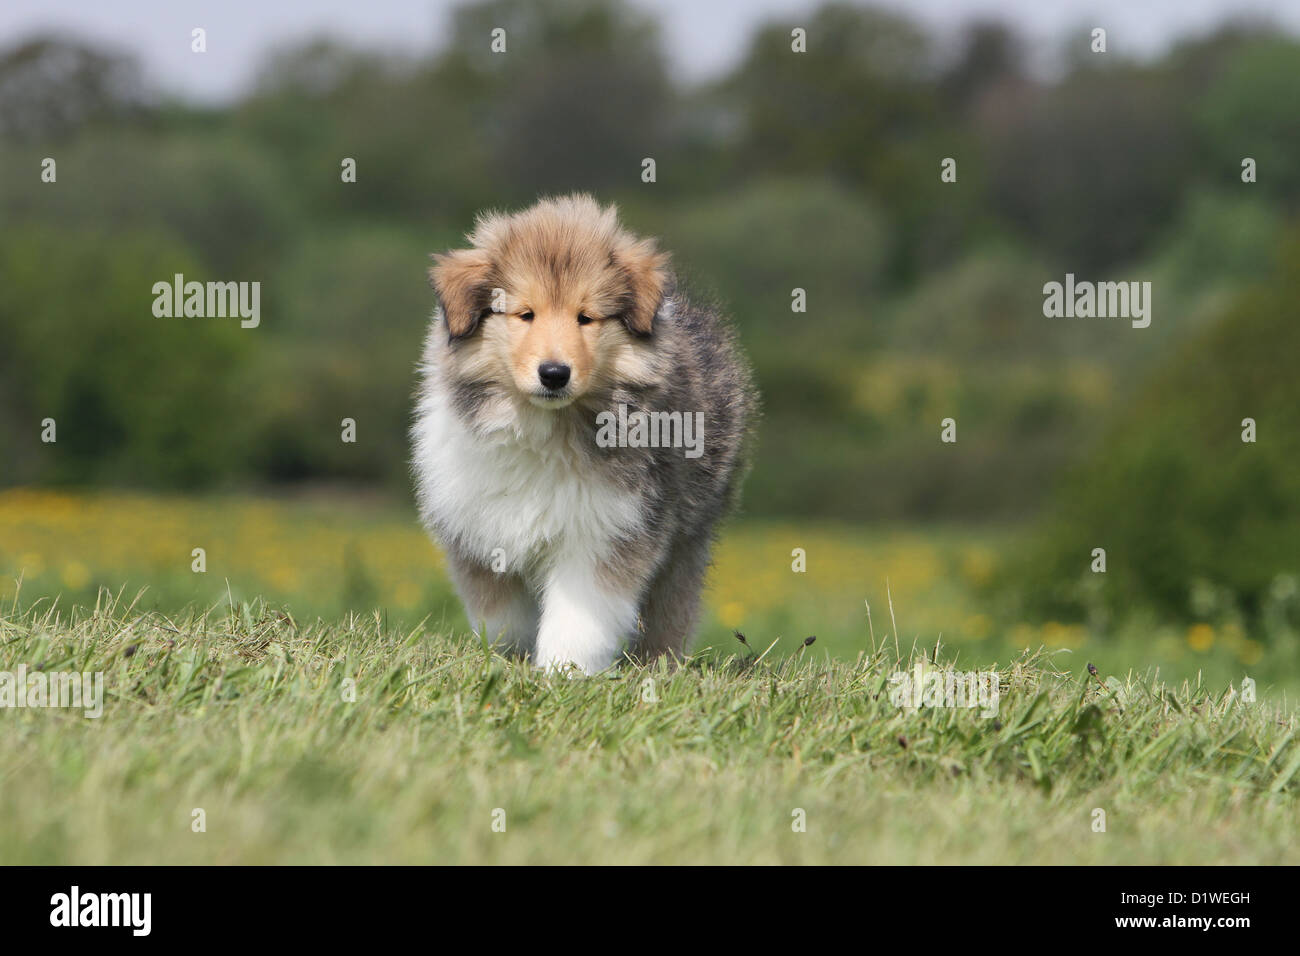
point(462, 281)
point(645, 270)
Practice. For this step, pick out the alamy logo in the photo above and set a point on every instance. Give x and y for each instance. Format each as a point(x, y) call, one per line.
point(927, 686)
point(103, 909)
point(652, 430)
point(212, 300)
point(55, 689)
point(1102, 300)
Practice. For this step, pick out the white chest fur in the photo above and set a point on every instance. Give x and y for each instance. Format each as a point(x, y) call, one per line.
point(519, 496)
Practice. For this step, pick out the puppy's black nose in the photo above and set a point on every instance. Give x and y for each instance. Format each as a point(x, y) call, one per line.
point(554, 375)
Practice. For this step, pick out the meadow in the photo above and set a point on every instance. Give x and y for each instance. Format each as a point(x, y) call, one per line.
point(314, 696)
point(290, 658)
point(326, 555)
point(247, 736)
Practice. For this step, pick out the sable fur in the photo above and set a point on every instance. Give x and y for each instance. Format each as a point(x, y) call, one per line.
point(559, 548)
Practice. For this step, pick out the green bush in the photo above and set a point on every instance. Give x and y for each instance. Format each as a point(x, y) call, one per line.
point(135, 398)
point(1195, 521)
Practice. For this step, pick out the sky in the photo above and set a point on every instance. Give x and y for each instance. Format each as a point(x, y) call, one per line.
point(703, 37)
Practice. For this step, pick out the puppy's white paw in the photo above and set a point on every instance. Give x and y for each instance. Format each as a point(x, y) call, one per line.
point(568, 649)
point(583, 625)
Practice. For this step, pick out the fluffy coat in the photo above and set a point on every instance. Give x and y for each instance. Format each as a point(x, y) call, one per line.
point(563, 546)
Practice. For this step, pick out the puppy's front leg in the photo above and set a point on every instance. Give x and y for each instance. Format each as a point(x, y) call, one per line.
point(499, 606)
point(586, 617)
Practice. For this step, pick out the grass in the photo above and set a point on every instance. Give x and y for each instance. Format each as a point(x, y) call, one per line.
point(242, 711)
point(325, 556)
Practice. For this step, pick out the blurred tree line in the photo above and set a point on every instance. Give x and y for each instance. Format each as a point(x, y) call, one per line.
point(819, 171)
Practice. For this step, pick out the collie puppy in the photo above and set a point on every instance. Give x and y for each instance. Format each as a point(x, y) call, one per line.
point(580, 429)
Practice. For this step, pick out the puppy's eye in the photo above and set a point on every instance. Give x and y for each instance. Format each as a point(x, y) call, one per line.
point(526, 316)
point(584, 319)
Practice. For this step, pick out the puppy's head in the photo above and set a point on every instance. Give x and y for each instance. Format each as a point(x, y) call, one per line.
point(553, 299)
